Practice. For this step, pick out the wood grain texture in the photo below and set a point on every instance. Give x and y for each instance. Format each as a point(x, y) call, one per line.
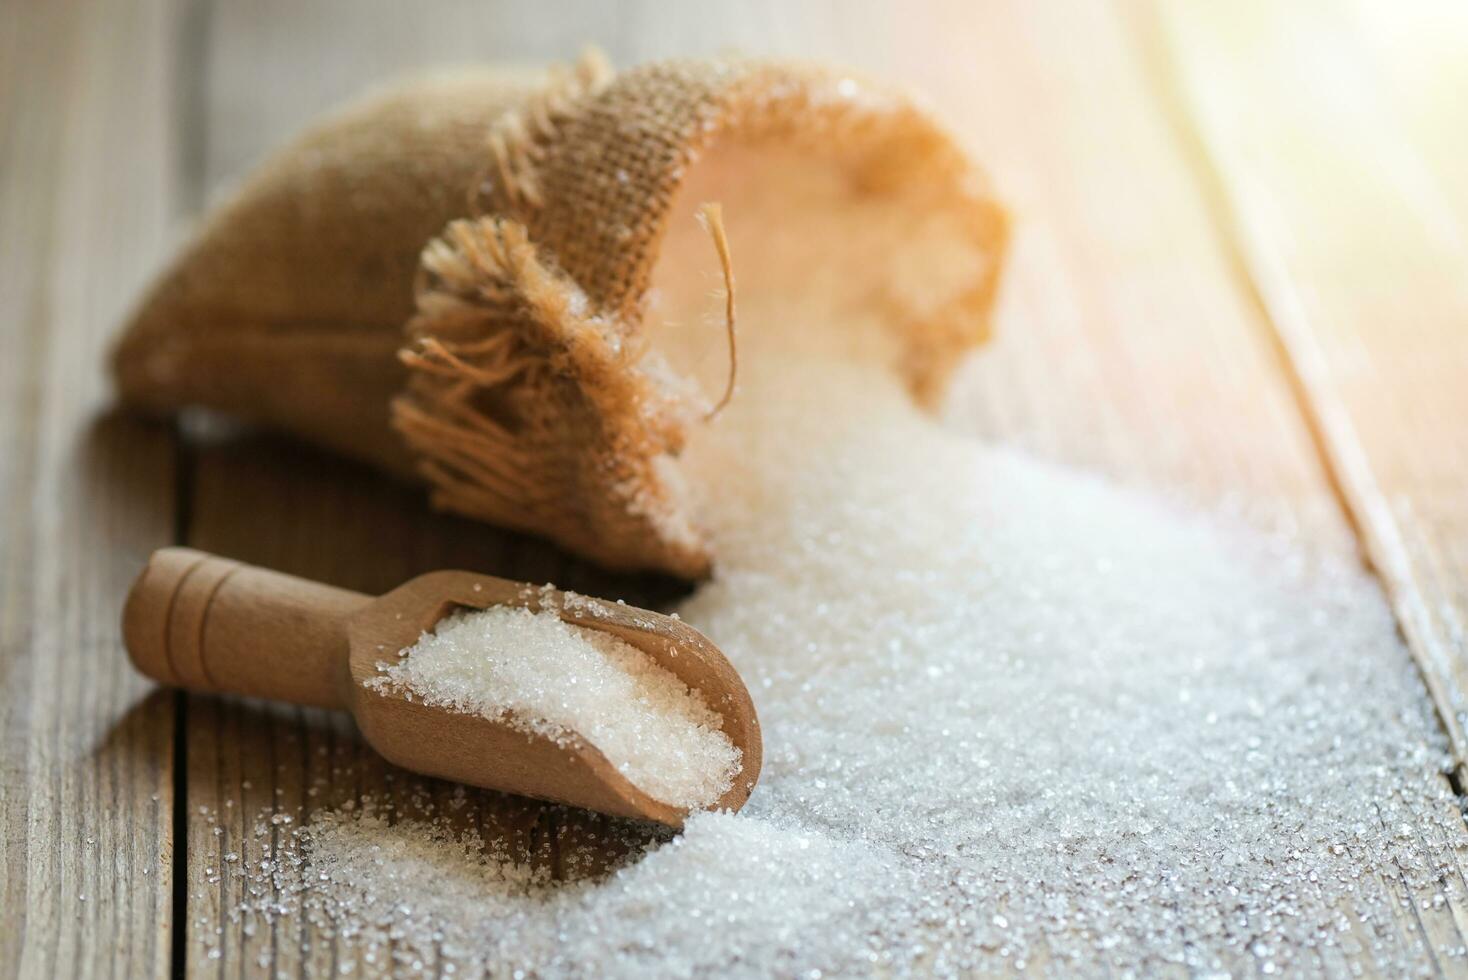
point(273, 504)
point(1132, 340)
point(1139, 346)
point(1361, 259)
point(1128, 343)
point(86, 784)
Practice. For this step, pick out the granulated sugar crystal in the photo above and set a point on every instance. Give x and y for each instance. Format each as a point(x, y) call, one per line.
point(554, 679)
point(1014, 718)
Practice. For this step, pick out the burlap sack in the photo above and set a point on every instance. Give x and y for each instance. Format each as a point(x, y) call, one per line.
point(536, 240)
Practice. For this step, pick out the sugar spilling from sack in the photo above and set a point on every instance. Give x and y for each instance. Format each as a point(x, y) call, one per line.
point(1014, 716)
point(558, 680)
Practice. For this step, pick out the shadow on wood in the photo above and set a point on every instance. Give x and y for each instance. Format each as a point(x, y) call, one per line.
point(363, 512)
point(117, 460)
point(332, 768)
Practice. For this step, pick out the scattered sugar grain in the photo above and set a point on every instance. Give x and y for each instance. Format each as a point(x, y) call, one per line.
point(1014, 718)
point(555, 679)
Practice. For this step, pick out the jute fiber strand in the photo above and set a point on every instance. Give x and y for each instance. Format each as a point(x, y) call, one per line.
point(529, 238)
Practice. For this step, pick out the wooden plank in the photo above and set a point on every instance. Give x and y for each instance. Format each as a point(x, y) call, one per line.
point(86, 783)
point(1128, 343)
point(281, 506)
point(275, 64)
point(1133, 344)
point(278, 505)
point(1363, 268)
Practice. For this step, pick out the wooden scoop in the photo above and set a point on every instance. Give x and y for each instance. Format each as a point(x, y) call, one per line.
point(210, 624)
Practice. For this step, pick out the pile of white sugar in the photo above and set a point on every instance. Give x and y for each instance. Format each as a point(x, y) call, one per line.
point(554, 679)
point(1014, 718)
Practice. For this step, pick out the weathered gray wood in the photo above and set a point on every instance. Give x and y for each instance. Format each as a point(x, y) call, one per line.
point(86, 781)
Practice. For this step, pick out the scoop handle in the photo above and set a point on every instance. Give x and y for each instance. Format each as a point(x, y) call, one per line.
point(207, 623)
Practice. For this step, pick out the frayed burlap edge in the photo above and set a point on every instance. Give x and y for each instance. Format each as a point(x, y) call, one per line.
point(526, 404)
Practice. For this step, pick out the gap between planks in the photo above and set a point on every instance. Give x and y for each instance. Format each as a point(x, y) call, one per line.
point(1084, 346)
point(1352, 331)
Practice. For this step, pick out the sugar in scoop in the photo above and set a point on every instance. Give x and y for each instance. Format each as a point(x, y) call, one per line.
point(504, 685)
point(559, 681)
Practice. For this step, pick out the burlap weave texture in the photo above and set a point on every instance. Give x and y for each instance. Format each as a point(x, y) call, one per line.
point(514, 228)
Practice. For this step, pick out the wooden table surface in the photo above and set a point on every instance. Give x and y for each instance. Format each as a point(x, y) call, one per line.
point(1240, 274)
